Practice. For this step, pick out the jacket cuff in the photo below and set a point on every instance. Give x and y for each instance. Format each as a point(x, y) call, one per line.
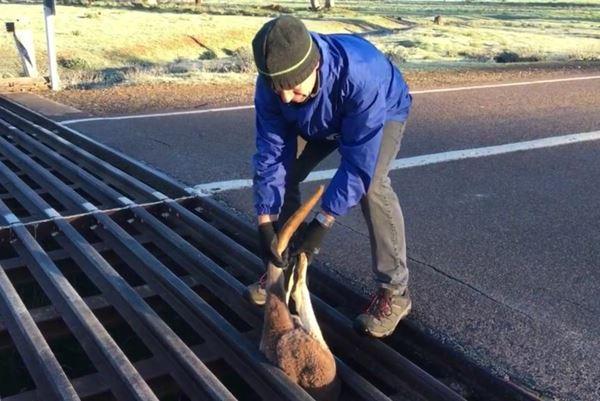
point(266, 209)
point(332, 211)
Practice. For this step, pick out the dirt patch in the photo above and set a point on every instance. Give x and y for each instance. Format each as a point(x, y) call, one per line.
point(152, 97)
point(169, 96)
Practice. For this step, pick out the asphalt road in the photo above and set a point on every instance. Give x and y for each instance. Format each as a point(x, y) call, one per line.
point(504, 250)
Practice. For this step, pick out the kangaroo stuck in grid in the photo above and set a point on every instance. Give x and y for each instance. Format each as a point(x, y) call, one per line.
point(294, 343)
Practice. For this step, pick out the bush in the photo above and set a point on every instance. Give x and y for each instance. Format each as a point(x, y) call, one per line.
point(245, 59)
point(508, 56)
point(93, 14)
point(74, 63)
point(396, 56)
point(112, 76)
point(407, 43)
point(480, 57)
point(278, 8)
point(207, 55)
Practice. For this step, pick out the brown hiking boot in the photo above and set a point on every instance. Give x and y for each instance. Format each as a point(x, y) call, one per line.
point(383, 313)
point(256, 293)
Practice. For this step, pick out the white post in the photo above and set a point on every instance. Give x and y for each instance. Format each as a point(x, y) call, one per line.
point(49, 12)
point(24, 42)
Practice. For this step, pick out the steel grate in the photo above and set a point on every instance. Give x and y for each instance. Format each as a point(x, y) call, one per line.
point(118, 283)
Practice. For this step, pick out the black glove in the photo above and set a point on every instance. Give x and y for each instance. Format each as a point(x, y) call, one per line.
point(309, 240)
point(268, 236)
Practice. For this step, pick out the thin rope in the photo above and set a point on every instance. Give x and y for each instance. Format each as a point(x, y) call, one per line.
point(91, 212)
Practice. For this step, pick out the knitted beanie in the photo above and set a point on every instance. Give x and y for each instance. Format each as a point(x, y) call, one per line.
point(284, 52)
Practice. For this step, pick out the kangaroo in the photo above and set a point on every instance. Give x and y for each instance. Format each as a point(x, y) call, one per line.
point(293, 343)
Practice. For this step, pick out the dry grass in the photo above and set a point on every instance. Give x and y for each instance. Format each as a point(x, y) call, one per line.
point(90, 38)
point(108, 45)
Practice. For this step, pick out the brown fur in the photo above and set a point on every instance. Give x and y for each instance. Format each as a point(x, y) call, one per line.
point(287, 345)
point(305, 361)
point(278, 321)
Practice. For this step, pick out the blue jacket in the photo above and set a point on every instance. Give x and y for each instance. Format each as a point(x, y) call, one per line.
point(359, 91)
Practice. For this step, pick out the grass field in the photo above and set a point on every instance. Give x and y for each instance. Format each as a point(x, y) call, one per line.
point(110, 44)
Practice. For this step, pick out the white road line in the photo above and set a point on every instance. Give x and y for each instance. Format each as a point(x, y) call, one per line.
point(545, 81)
point(235, 108)
point(173, 113)
point(416, 161)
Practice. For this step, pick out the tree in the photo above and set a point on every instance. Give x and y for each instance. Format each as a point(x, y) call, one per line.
point(316, 4)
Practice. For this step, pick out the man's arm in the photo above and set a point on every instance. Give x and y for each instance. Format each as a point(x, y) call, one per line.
point(275, 150)
point(362, 131)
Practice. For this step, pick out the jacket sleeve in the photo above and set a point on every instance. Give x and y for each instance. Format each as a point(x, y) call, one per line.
point(275, 150)
point(361, 134)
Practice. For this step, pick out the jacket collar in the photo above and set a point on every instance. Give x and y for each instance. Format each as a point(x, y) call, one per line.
point(324, 63)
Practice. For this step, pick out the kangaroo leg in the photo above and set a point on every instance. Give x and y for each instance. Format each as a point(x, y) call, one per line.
point(288, 278)
point(303, 304)
point(278, 319)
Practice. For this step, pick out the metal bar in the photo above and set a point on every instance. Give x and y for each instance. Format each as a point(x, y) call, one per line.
point(151, 368)
point(224, 279)
point(124, 162)
point(8, 195)
point(182, 210)
point(25, 203)
point(480, 380)
point(46, 315)
point(24, 161)
point(221, 283)
point(407, 371)
point(41, 362)
point(197, 312)
point(168, 244)
point(120, 179)
point(178, 248)
point(69, 169)
point(236, 228)
point(189, 371)
point(16, 263)
point(421, 375)
point(195, 308)
point(89, 331)
point(471, 374)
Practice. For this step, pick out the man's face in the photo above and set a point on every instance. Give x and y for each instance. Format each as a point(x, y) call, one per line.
point(300, 92)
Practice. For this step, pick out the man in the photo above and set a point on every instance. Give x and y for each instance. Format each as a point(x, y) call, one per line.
point(335, 92)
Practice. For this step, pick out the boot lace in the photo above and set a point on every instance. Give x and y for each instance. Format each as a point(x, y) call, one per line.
point(380, 305)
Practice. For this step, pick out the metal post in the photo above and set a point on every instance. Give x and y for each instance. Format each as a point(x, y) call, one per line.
point(49, 13)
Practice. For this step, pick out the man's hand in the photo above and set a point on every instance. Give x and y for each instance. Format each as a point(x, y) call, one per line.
point(309, 240)
point(268, 237)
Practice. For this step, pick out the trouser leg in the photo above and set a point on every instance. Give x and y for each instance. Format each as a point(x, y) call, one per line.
point(383, 215)
point(311, 155)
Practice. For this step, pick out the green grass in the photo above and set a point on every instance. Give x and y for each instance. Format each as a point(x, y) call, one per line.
point(109, 44)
